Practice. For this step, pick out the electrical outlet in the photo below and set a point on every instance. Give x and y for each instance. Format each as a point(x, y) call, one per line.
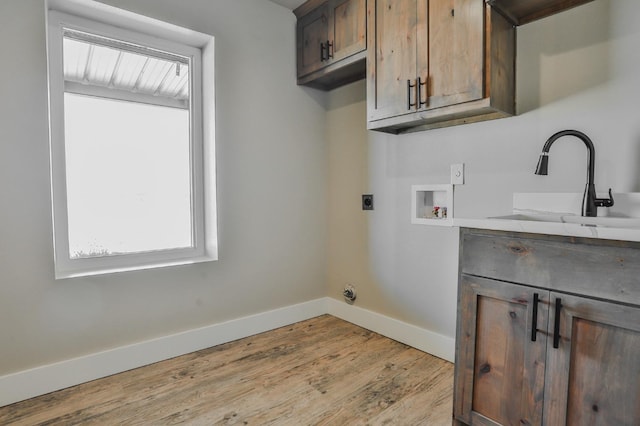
point(457, 174)
point(367, 202)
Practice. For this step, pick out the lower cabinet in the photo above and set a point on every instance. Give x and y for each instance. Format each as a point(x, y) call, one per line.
point(532, 355)
point(593, 375)
point(499, 369)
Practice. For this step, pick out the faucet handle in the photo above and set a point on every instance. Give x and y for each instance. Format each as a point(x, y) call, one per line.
point(605, 202)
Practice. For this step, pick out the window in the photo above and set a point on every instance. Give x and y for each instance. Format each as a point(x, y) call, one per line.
point(131, 137)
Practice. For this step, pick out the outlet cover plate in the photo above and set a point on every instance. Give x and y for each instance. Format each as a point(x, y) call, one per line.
point(457, 174)
point(367, 201)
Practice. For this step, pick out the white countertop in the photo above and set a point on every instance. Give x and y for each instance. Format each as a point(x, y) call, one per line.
point(551, 228)
point(562, 209)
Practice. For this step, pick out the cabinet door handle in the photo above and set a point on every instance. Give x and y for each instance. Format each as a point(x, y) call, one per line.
point(419, 90)
point(534, 317)
point(322, 52)
point(556, 324)
point(409, 87)
point(329, 50)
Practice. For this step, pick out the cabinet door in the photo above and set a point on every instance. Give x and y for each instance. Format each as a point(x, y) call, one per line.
point(312, 31)
point(593, 376)
point(455, 47)
point(500, 355)
point(392, 59)
point(441, 43)
point(347, 28)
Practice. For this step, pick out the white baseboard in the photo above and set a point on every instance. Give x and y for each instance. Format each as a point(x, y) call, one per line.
point(48, 378)
point(419, 338)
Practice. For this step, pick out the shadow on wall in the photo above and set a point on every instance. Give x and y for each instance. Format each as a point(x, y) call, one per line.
point(319, 97)
point(636, 179)
point(563, 55)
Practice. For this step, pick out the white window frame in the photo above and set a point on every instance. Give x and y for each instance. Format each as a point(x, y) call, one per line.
point(111, 22)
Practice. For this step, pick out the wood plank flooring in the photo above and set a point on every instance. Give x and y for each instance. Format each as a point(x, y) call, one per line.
point(322, 371)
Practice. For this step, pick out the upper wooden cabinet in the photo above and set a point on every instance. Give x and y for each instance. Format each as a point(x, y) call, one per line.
point(524, 11)
point(437, 63)
point(312, 32)
point(331, 42)
point(429, 63)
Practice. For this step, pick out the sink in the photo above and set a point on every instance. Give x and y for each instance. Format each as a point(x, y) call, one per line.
point(614, 227)
point(559, 214)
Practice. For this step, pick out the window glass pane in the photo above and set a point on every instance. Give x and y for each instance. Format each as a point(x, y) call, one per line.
point(132, 152)
point(103, 62)
point(128, 177)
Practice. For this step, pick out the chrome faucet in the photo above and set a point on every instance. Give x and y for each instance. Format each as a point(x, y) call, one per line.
point(590, 203)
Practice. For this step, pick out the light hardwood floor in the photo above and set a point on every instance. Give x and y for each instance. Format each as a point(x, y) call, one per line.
point(322, 371)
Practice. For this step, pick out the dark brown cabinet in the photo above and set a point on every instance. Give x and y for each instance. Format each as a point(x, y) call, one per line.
point(428, 63)
point(312, 34)
point(593, 376)
point(438, 63)
point(500, 370)
point(522, 12)
point(532, 352)
point(331, 42)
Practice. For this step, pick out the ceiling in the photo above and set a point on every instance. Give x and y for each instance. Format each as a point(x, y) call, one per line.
point(289, 4)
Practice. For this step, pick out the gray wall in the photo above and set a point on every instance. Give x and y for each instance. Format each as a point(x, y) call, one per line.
point(578, 69)
point(292, 164)
point(271, 173)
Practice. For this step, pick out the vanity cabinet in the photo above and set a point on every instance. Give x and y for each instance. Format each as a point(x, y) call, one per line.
point(331, 38)
point(438, 63)
point(548, 331)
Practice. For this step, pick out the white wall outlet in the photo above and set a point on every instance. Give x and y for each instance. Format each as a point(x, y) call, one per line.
point(457, 174)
